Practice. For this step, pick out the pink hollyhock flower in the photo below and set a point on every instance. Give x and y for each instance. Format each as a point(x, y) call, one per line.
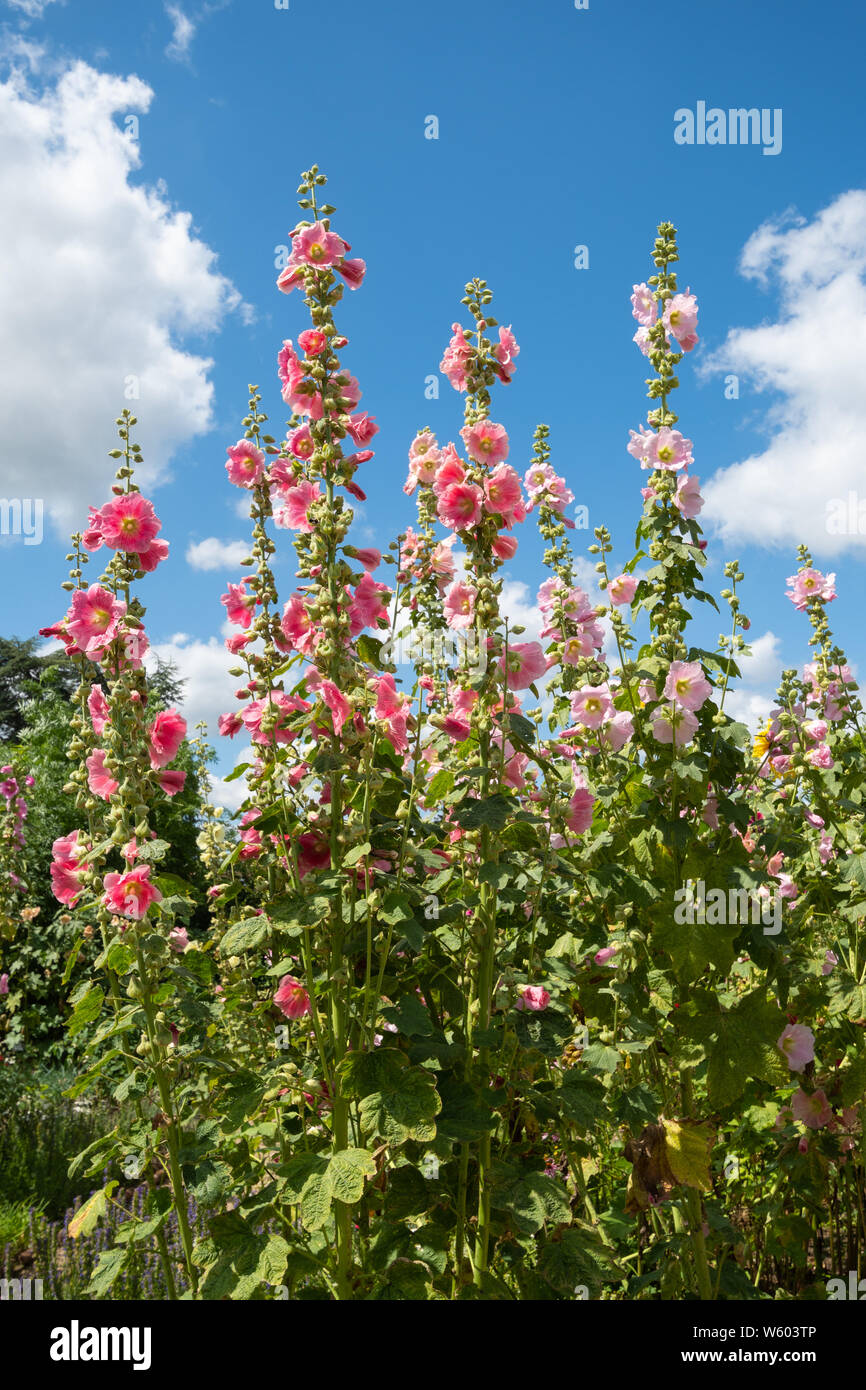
point(99, 711)
point(526, 663)
point(449, 470)
point(4, 983)
point(710, 815)
point(130, 894)
point(128, 522)
point(178, 939)
point(459, 605)
point(288, 363)
point(798, 1044)
point(237, 642)
point(460, 506)
point(318, 247)
point(643, 340)
point(352, 271)
point(239, 605)
point(580, 806)
point(622, 588)
point(673, 724)
point(314, 853)
point(369, 604)
point(337, 703)
point(98, 780)
point(680, 319)
point(830, 961)
point(605, 956)
point(312, 341)
point(618, 732)
point(820, 756)
point(505, 353)
point(392, 710)
point(93, 618)
point(164, 737)
point(291, 998)
point(362, 427)
point(502, 491)
point(505, 547)
point(297, 625)
point(370, 559)
point(592, 706)
point(575, 648)
point(486, 442)
point(295, 512)
point(155, 553)
point(230, 724)
point(534, 998)
point(442, 561)
point(812, 1110)
point(246, 464)
point(300, 442)
point(688, 496)
point(809, 584)
point(687, 685)
point(670, 450)
point(644, 306)
point(456, 358)
point(424, 448)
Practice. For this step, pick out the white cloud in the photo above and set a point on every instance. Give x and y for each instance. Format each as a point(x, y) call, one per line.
point(214, 554)
point(812, 354)
point(751, 699)
point(230, 795)
point(203, 667)
point(183, 33)
point(99, 280)
point(33, 9)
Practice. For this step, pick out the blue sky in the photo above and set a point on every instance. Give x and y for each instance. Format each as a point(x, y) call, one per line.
point(155, 258)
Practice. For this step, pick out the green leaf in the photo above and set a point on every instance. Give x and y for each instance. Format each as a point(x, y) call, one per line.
point(362, 1073)
point(152, 851)
point(492, 811)
point(687, 1149)
point(107, 1271)
point(89, 1213)
point(601, 1058)
point(441, 785)
point(248, 935)
point(355, 853)
point(87, 1011)
point(581, 1099)
point(347, 1171)
point(410, 1016)
point(406, 1110)
point(316, 1201)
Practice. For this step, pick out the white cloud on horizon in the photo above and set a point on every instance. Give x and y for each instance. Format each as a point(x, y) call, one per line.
point(101, 280)
point(214, 554)
point(812, 355)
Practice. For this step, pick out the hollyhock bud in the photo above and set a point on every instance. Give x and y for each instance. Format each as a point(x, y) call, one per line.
point(534, 998)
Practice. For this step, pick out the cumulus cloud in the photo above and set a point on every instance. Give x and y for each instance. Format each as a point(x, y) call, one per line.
point(183, 32)
point(100, 280)
point(32, 9)
point(203, 667)
point(811, 356)
point(751, 699)
point(214, 554)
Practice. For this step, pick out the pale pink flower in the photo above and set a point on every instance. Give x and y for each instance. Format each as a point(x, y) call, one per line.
point(687, 497)
point(809, 584)
point(580, 806)
point(797, 1042)
point(392, 709)
point(130, 894)
point(673, 724)
point(618, 732)
point(318, 247)
point(644, 306)
point(297, 625)
point(687, 685)
point(812, 1110)
point(459, 605)
point(456, 358)
point(486, 442)
point(605, 955)
point(830, 961)
point(643, 340)
point(164, 737)
point(178, 939)
point(371, 559)
point(505, 547)
point(312, 341)
point(300, 442)
point(820, 756)
point(592, 706)
point(526, 663)
point(621, 589)
point(337, 703)
point(4, 983)
point(680, 319)
point(369, 604)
